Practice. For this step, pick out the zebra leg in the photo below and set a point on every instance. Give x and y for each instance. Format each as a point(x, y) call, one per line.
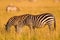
point(32, 28)
point(30, 24)
point(32, 31)
point(51, 27)
point(15, 28)
point(18, 28)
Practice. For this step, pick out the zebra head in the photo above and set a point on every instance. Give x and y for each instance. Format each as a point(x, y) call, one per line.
point(7, 26)
point(10, 23)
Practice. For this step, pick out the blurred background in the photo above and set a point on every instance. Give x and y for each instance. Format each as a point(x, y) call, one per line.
point(10, 8)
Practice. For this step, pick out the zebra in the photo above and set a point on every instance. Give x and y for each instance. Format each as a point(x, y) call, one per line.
point(32, 21)
point(16, 21)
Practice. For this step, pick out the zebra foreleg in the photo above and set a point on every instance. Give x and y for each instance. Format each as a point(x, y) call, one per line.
point(32, 31)
point(15, 28)
point(30, 24)
point(18, 29)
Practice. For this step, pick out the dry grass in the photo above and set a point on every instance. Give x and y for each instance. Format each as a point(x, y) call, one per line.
point(31, 8)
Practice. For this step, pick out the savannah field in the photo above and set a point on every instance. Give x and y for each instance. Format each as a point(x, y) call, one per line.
point(29, 7)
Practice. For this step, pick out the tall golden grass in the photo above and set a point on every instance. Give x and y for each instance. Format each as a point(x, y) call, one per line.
point(31, 8)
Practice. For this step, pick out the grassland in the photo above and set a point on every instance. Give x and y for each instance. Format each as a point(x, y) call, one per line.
point(31, 8)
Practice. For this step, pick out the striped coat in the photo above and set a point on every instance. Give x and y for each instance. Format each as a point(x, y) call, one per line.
point(32, 21)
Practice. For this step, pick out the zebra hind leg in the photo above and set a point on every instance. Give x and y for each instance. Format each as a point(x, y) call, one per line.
point(51, 26)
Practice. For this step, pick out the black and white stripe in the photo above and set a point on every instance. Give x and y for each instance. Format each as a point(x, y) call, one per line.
point(41, 20)
point(32, 21)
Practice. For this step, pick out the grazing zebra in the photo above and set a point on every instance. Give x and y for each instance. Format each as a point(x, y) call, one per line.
point(32, 21)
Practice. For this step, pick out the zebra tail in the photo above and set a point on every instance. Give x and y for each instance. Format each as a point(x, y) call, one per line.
point(54, 24)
